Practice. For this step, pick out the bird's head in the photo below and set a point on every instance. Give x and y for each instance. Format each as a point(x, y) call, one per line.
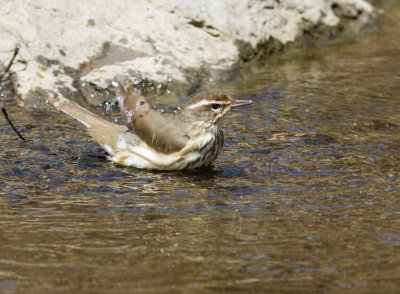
point(209, 107)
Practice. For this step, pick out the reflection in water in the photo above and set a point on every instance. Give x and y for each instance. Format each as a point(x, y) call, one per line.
point(304, 197)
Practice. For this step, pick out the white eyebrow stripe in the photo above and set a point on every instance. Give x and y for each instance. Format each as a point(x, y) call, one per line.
point(200, 103)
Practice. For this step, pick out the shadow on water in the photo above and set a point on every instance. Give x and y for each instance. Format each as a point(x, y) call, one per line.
point(304, 197)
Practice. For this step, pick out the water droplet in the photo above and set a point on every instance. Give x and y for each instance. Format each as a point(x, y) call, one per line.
point(136, 80)
point(129, 115)
point(110, 104)
point(119, 98)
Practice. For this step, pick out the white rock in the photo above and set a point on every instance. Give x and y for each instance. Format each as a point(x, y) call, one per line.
point(156, 38)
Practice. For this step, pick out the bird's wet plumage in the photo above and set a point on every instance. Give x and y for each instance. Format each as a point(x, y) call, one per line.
point(188, 139)
point(163, 132)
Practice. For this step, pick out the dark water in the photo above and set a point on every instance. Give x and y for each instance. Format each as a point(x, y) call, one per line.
point(303, 199)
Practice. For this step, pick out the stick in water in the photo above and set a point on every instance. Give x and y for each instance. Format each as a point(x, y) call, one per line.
point(3, 109)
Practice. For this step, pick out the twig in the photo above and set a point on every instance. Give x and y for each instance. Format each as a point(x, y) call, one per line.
point(3, 109)
point(7, 69)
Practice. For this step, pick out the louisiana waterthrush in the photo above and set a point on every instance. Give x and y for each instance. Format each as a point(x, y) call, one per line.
point(190, 138)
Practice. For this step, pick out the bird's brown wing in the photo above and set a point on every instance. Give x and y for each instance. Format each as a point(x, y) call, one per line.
point(164, 132)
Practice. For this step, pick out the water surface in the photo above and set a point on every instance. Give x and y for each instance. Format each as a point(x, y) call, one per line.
point(304, 197)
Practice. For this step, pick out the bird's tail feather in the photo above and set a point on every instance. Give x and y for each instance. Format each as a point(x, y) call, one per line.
point(89, 119)
point(103, 131)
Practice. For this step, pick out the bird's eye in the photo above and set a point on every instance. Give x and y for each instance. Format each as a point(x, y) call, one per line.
point(215, 106)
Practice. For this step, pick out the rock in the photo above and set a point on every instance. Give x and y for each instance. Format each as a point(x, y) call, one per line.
point(70, 47)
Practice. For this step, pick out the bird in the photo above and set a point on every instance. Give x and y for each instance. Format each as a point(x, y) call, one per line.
point(190, 138)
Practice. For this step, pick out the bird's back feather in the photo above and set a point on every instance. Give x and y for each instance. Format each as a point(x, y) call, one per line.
point(165, 133)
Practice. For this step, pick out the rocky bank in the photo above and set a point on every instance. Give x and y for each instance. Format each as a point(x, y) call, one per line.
point(81, 47)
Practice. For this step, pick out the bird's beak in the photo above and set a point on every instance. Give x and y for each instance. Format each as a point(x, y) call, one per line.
point(237, 103)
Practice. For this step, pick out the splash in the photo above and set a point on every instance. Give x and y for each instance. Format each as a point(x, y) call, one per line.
point(136, 80)
point(110, 104)
point(129, 115)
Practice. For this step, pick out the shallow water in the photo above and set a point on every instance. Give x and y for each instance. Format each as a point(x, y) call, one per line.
point(304, 197)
